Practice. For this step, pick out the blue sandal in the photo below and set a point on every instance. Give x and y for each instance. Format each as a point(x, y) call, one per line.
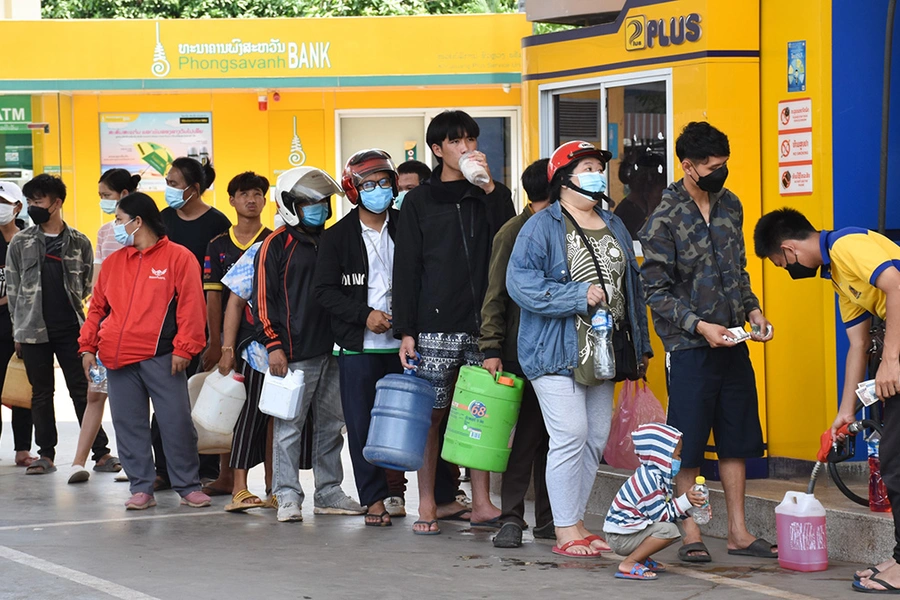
point(638, 572)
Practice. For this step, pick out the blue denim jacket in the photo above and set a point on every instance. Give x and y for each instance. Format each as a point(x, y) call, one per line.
point(538, 281)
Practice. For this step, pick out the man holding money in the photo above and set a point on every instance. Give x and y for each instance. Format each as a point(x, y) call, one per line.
point(864, 269)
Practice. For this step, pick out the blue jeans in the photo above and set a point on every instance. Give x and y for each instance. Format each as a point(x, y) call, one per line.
point(322, 395)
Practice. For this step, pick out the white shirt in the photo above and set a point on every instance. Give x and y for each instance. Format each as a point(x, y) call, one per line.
point(380, 252)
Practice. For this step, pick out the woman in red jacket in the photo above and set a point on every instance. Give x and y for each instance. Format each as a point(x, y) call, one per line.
point(146, 323)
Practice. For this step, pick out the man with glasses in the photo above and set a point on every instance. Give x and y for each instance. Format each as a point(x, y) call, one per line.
point(296, 332)
point(697, 286)
point(354, 281)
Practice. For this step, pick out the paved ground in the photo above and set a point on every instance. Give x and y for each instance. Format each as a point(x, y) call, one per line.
point(77, 542)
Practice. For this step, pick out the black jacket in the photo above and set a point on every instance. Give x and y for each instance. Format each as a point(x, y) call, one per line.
point(342, 278)
point(442, 252)
point(285, 309)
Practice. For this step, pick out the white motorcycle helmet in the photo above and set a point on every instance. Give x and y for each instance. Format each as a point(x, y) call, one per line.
point(303, 186)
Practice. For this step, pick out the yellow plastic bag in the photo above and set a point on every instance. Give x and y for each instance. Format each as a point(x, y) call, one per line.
point(17, 388)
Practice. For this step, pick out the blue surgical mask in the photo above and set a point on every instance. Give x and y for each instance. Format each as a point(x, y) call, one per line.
point(399, 199)
point(122, 236)
point(676, 466)
point(315, 215)
point(592, 182)
point(378, 200)
point(174, 197)
point(108, 206)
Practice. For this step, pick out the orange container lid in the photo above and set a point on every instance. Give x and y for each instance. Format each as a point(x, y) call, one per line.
point(508, 381)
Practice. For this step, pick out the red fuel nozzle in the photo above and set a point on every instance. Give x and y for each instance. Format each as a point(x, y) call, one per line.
point(826, 442)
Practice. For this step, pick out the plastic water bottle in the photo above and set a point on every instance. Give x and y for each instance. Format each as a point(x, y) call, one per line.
point(98, 378)
point(601, 328)
point(701, 514)
point(472, 171)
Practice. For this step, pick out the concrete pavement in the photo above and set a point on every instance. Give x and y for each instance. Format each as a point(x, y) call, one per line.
point(77, 542)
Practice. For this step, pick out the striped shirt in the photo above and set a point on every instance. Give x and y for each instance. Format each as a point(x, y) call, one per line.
point(106, 243)
point(646, 497)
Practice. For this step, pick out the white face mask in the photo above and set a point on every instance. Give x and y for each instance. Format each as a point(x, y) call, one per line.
point(7, 213)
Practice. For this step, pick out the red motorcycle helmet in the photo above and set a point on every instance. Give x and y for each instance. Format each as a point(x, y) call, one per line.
point(574, 151)
point(363, 164)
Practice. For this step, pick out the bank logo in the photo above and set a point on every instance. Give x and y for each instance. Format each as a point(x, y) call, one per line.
point(161, 65)
point(634, 32)
point(675, 31)
point(297, 156)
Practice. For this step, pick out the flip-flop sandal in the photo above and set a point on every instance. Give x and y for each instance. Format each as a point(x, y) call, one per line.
point(489, 524)
point(888, 588)
point(564, 549)
point(457, 516)
point(654, 566)
point(429, 531)
point(596, 538)
point(110, 465)
point(41, 466)
point(760, 548)
point(238, 504)
point(381, 522)
point(684, 553)
point(873, 568)
point(638, 572)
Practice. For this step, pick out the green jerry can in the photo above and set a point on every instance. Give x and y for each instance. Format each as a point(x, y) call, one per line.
point(483, 418)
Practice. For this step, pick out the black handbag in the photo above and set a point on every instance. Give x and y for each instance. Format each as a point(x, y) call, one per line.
point(622, 339)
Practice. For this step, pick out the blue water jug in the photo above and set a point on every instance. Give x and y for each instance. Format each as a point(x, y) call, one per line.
point(401, 418)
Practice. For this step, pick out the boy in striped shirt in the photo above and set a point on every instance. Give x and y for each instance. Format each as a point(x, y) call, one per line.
point(641, 520)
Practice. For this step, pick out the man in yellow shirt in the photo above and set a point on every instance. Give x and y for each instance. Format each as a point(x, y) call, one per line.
point(864, 269)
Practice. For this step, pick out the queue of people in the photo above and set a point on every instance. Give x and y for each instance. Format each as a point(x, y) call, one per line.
point(430, 271)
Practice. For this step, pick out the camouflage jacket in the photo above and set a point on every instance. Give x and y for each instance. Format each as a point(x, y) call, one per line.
point(24, 260)
point(693, 271)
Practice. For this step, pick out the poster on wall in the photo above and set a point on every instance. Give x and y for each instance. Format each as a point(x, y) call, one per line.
point(147, 143)
point(797, 66)
point(795, 147)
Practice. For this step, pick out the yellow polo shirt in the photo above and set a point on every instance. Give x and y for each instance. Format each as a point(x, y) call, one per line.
point(853, 260)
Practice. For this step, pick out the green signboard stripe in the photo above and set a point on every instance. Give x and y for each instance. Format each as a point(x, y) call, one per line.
point(41, 85)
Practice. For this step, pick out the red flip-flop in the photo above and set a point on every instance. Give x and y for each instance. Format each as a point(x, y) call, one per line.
point(564, 549)
point(594, 538)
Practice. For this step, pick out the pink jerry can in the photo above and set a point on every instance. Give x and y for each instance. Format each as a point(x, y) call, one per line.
point(802, 536)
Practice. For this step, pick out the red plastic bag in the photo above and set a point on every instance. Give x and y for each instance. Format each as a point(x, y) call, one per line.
point(637, 406)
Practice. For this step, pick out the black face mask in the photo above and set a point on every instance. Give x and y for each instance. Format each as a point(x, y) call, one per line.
point(798, 271)
point(714, 182)
point(38, 214)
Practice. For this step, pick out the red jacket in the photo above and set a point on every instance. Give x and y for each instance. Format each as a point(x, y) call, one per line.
point(146, 304)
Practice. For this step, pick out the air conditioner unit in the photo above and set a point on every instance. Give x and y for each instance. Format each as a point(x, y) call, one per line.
point(574, 12)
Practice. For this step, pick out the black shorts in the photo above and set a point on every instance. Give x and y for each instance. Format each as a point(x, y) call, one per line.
point(714, 389)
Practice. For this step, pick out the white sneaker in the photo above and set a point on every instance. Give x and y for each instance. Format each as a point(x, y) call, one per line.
point(344, 506)
point(290, 512)
point(395, 506)
point(78, 474)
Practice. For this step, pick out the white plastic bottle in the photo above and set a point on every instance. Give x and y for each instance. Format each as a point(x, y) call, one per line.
point(472, 171)
point(701, 514)
point(603, 354)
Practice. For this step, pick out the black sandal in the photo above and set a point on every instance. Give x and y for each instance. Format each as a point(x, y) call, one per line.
point(381, 519)
point(684, 553)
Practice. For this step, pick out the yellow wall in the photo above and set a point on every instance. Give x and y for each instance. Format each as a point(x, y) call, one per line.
point(724, 91)
point(244, 138)
point(801, 373)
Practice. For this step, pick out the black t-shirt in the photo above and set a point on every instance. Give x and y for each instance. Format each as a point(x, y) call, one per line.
point(221, 254)
point(195, 235)
point(59, 316)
